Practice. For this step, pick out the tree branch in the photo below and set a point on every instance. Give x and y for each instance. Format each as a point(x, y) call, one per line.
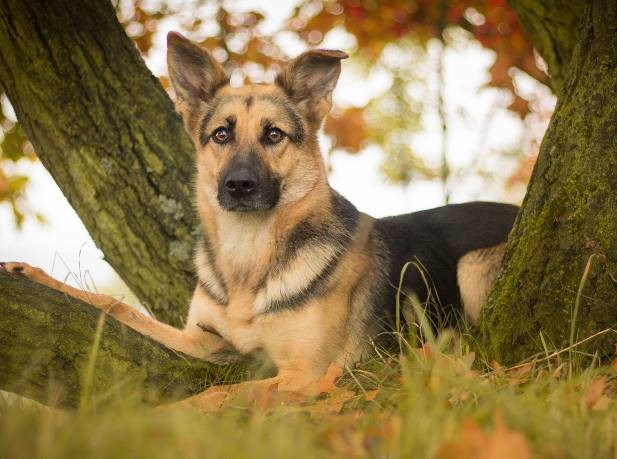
point(46, 340)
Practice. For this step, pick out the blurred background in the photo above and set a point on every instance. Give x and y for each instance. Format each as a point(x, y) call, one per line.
point(440, 102)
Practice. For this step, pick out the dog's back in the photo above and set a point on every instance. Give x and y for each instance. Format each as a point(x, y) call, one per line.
point(453, 251)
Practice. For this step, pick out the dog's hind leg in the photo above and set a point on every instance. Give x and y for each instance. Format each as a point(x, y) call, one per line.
point(476, 273)
point(200, 345)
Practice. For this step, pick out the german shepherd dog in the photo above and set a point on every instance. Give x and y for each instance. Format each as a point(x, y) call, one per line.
point(286, 265)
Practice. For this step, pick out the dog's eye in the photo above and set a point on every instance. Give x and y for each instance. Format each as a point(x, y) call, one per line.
point(221, 135)
point(274, 135)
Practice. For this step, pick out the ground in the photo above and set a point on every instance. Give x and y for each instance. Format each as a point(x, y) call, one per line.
point(427, 402)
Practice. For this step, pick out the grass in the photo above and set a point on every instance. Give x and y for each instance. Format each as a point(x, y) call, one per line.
point(427, 403)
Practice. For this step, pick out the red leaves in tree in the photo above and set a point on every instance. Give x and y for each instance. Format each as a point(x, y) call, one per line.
point(348, 129)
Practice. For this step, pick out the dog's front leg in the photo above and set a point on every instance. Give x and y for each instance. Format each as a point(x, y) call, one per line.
point(197, 344)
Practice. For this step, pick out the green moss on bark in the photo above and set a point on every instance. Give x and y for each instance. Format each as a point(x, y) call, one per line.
point(568, 216)
point(45, 343)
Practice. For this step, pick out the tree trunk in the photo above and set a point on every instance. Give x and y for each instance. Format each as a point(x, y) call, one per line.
point(46, 340)
point(107, 132)
point(553, 27)
point(568, 221)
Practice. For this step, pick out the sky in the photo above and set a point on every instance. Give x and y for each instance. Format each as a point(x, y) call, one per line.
point(64, 248)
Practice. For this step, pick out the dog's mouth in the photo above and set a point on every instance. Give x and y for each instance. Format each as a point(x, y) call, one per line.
point(259, 203)
point(241, 208)
point(244, 207)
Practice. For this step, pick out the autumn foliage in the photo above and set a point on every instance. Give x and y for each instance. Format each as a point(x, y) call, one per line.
point(236, 38)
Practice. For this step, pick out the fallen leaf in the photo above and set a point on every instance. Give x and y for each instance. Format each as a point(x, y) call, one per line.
point(326, 383)
point(210, 401)
point(557, 372)
point(263, 394)
point(602, 403)
point(475, 443)
point(333, 404)
point(521, 373)
point(594, 392)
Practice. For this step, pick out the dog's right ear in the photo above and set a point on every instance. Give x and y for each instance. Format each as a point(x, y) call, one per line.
point(194, 73)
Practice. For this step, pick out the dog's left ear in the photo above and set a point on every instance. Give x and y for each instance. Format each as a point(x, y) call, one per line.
point(310, 79)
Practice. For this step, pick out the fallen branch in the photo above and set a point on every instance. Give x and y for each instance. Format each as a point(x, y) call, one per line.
point(46, 340)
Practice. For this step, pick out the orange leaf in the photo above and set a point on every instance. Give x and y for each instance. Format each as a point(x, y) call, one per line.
point(475, 443)
point(348, 129)
point(330, 405)
point(521, 373)
point(326, 384)
point(594, 391)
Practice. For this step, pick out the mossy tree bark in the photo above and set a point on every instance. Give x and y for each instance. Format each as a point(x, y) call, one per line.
point(46, 342)
point(107, 132)
point(568, 220)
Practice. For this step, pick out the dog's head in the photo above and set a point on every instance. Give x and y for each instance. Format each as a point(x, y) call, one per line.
point(256, 144)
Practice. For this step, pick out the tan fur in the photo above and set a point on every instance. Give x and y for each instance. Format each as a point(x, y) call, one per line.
point(163, 333)
point(476, 274)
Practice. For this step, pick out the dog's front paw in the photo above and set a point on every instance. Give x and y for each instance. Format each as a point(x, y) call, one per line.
point(24, 269)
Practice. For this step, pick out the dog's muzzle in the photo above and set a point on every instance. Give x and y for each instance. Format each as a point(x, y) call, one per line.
point(248, 186)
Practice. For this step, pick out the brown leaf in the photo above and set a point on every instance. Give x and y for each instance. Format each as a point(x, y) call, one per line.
point(326, 383)
point(602, 403)
point(594, 391)
point(520, 373)
point(263, 394)
point(475, 443)
point(557, 371)
point(333, 404)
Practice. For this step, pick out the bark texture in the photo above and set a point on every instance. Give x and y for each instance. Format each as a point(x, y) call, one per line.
point(107, 132)
point(46, 340)
point(553, 26)
point(569, 216)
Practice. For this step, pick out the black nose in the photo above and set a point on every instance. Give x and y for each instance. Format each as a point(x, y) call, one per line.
point(240, 183)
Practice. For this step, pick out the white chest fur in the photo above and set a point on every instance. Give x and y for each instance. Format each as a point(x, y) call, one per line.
point(245, 241)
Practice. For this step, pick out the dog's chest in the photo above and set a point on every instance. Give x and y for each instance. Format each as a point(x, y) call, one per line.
point(245, 248)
